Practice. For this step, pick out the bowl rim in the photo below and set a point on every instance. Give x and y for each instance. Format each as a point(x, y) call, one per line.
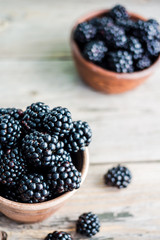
point(53, 202)
point(94, 67)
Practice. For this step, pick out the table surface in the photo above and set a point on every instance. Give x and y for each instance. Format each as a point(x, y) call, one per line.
point(36, 65)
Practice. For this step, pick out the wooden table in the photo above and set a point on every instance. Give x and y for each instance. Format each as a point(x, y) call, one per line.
point(36, 65)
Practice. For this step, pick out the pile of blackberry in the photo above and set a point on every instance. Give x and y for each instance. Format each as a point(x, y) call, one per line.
point(117, 42)
point(38, 150)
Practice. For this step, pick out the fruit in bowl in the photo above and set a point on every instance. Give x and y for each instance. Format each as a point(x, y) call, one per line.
point(114, 50)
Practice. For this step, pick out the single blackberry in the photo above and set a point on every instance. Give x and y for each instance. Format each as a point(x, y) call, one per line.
point(58, 121)
point(64, 177)
point(143, 63)
point(42, 150)
point(102, 22)
point(118, 177)
point(10, 131)
point(33, 188)
point(153, 48)
point(34, 116)
point(120, 62)
point(135, 47)
point(114, 36)
point(88, 224)
point(12, 167)
point(95, 51)
point(84, 32)
point(58, 236)
point(13, 112)
point(118, 12)
point(79, 136)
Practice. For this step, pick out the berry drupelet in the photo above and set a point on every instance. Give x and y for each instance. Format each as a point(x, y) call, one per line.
point(118, 12)
point(88, 224)
point(119, 177)
point(79, 136)
point(64, 177)
point(95, 51)
point(33, 188)
point(58, 236)
point(10, 131)
point(58, 121)
point(12, 167)
point(84, 32)
point(34, 116)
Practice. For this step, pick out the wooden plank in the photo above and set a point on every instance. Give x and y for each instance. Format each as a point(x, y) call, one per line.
point(125, 127)
point(132, 213)
point(41, 29)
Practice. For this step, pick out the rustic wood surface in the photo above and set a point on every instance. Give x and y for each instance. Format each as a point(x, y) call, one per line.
point(36, 65)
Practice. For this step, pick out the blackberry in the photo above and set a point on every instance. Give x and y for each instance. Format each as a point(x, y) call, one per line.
point(42, 150)
point(101, 22)
point(33, 188)
point(154, 22)
point(10, 131)
point(11, 194)
point(118, 12)
point(64, 177)
point(114, 36)
point(84, 32)
point(58, 121)
point(119, 177)
point(58, 236)
point(79, 136)
point(95, 51)
point(127, 25)
point(12, 167)
point(34, 116)
point(143, 63)
point(153, 48)
point(135, 47)
point(13, 112)
point(88, 224)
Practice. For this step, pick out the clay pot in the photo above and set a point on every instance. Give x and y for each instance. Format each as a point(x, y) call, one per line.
point(104, 80)
point(36, 212)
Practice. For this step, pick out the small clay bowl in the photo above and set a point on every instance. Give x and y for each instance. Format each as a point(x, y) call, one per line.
point(36, 212)
point(104, 80)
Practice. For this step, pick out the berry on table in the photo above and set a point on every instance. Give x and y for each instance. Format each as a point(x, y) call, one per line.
point(58, 236)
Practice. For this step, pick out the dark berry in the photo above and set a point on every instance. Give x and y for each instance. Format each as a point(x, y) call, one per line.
point(84, 32)
point(58, 121)
point(33, 188)
point(102, 22)
point(118, 12)
point(10, 131)
point(119, 177)
point(58, 236)
point(64, 177)
point(95, 51)
point(34, 116)
point(13, 112)
point(126, 24)
point(42, 150)
point(12, 167)
point(143, 63)
point(153, 48)
point(10, 194)
point(88, 224)
point(120, 62)
point(79, 137)
point(135, 47)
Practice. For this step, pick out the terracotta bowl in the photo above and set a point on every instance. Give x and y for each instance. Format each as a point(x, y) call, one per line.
point(105, 80)
point(36, 212)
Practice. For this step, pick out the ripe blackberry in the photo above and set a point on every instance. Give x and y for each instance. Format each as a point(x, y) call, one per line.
point(10, 194)
point(12, 167)
point(120, 62)
point(79, 136)
point(154, 22)
point(88, 224)
point(58, 236)
point(33, 188)
point(127, 25)
point(34, 116)
point(84, 32)
point(64, 177)
point(114, 36)
point(42, 150)
point(118, 12)
point(119, 177)
point(135, 47)
point(153, 48)
point(102, 22)
point(13, 112)
point(95, 51)
point(143, 63)
point(10, 131)
point(58, 121)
